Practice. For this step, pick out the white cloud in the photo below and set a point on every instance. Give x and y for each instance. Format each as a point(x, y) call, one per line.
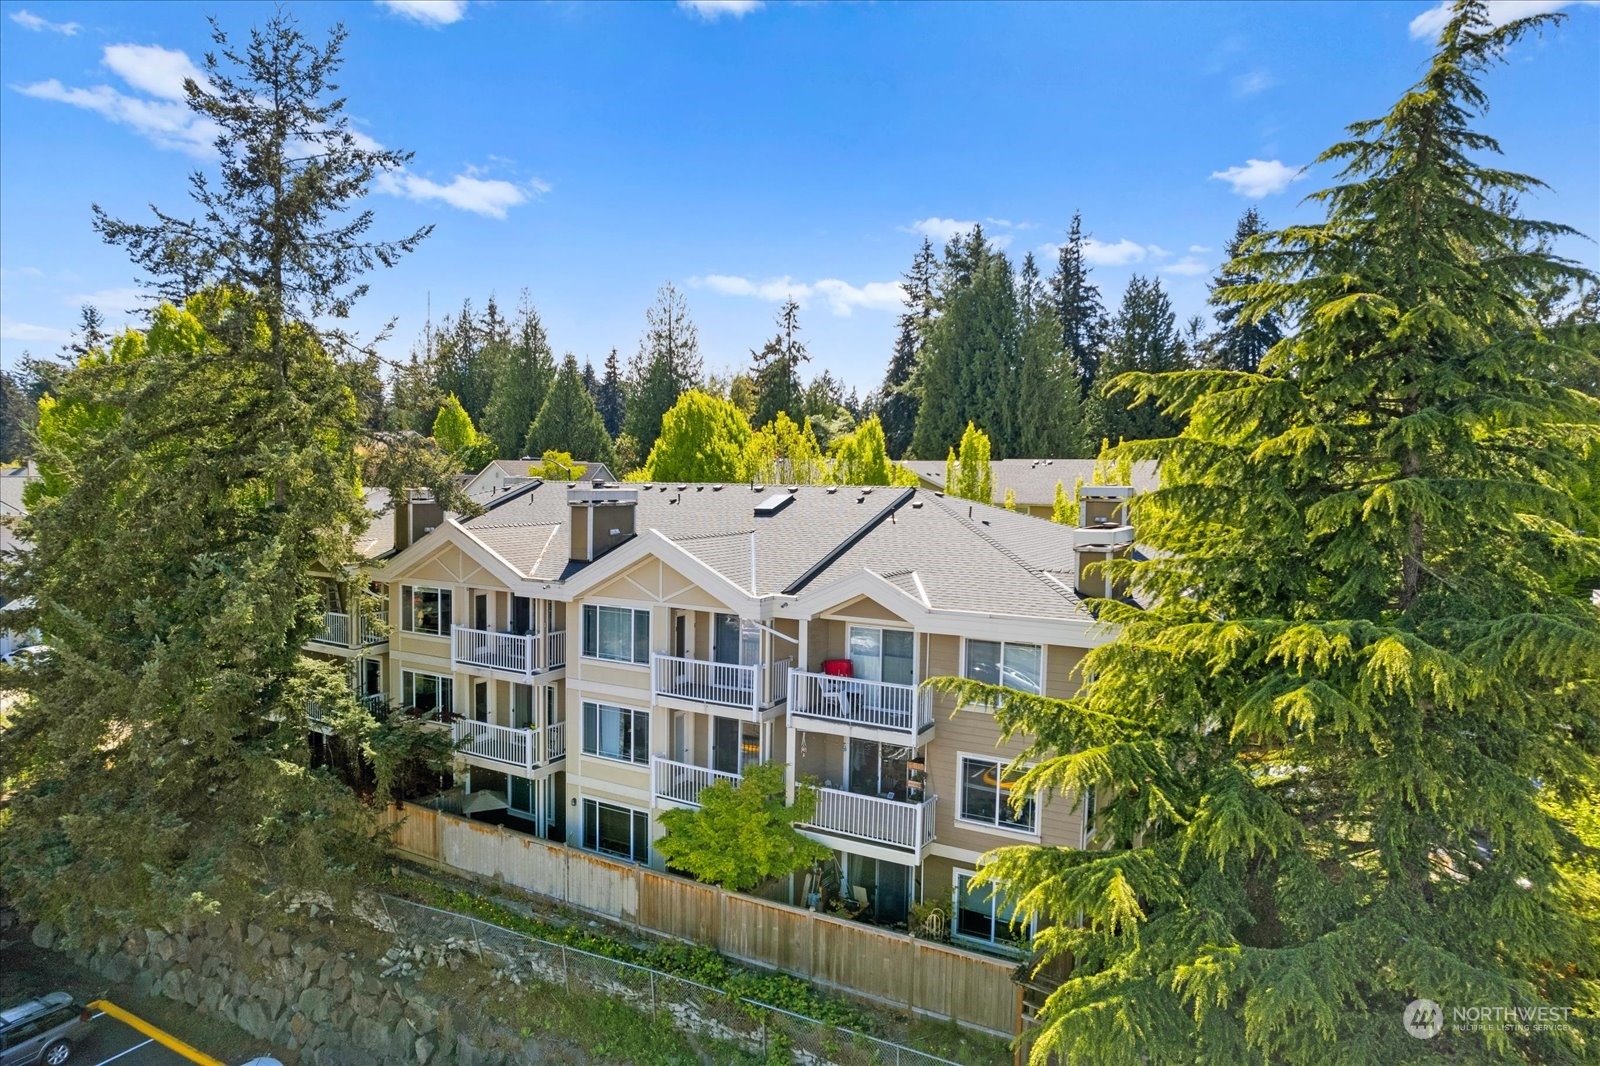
point(1123, 253)
point(841, 297)
point(29, 21)
point(1260, 177)
point(165, 123)
point(12, 330)
point(1427, 25)
point(1186, 267)
point(1198, 249)
point(711, 10)
point(482, 196)
point(153, 69)
point(941, 230)
point(1157, 252)
point(428, 12)
point(1252, 82)
point(114, 303)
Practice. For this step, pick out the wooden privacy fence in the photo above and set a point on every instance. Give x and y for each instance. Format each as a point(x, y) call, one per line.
point(878, 964)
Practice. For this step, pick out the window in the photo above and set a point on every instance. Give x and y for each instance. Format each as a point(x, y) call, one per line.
point(431, 694)
point(616, 733)
point(882, 655)
point(619, 831)
point(619, 634)
point(1090, 805)
point(986, 796)
point(981, 914)
point(425, 610)
point(1018, 666)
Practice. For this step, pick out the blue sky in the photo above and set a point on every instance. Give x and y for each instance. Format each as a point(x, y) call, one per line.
point(590, 152)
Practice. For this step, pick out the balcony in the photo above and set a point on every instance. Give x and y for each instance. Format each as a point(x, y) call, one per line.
point(877, 821)
point(857, 706)
point(335, 629)
point(521, 654)
point(683, 782)
point(756, 688)
point(503, 747)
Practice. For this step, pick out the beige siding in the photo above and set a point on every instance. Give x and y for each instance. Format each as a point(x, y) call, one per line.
point(651, 580)
point(1060, 664)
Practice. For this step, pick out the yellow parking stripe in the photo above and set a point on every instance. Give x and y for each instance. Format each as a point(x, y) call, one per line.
point(160, 1036)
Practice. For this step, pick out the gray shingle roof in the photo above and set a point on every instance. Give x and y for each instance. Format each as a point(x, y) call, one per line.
point(960, 556)
point(1033, 480)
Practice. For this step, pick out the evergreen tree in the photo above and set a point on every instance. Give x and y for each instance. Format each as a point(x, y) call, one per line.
point(1049, 419)
point(703, 438)
point(157, 765)
point(17, 416)
point(861, 457)
point(569, 421)
point(668, 364)
point(522, 380)
point(464, 361)
point(591, 381)
point(1348, 747)
point(968, 472)
point(609, 397)
point(776, 369)
point(1062, 511)
point(1078, 307)
point(1143, 338)
point(899, 398)
point(1242, 338)
point(970, 367)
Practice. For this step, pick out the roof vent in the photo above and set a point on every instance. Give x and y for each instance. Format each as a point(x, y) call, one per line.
point(939, 494)
point(699, 488)
point(867, 491)
point(832, 489)
point(683, 488)
point(916, 505)
point(773, 504)
point(758, 488)
point(793, 489)
point(598, 483)
point(716, 488)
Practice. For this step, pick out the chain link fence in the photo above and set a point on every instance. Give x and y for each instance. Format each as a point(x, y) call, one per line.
point(695, 1009)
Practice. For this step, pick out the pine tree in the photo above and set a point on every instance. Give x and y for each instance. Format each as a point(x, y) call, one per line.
point(668, 364)
point(591, 381)
point(17, 416)
point(609, 398)
point(1049, 421)
point(1144, 338)
point(900, 396)
point(157, 765)
point(1347, 748)
point(522, 380)
point(703, 438)
point(1241, 339)
point(1078, 307)
point(776, 369)
point(464, 361)
point(569, 421)
point(968, 472)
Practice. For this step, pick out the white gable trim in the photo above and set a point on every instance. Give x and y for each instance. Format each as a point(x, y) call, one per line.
point(451, 533)
point(652, 543)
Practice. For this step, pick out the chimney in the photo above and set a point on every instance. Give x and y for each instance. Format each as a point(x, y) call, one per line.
point(602, 518)
point(1104, 533)
point(415, 517)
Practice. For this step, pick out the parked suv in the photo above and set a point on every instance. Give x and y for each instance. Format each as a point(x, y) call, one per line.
point(41, 1030)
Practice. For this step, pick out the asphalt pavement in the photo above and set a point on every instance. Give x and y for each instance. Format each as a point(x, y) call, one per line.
point(107, 1040)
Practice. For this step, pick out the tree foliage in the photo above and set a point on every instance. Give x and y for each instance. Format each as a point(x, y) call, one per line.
point(900, 396)
point(861, 457)
point(668, 364)
point(968, 471)
point(1143, 338)
point(568, 421)
point(520, 379)
point(455, 434)
point(1242, 339)
point(703, 438)
point(776, 369)
point(1350, 747)
point(782, 453)
point(743, 835)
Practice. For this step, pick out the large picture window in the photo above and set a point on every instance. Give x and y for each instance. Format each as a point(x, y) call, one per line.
point(981, 914)
point(431, 694)
point(425, 610)
point(617, 634)
point(986, 796)
point(616, 733)
point(1018, 666)
point(882, 655)
point(619, 831)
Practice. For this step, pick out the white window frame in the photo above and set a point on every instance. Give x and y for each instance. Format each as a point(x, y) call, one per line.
point(966, 661)
point(1088, 804)
point(1020, 945)
point(408, 690)
point(634, 612)
point(639, 734)
point(1000, 763)
point(408, 623)
point(916, 654)
point(634, 845)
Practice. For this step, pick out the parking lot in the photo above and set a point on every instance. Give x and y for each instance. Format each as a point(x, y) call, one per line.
point(107, 1040)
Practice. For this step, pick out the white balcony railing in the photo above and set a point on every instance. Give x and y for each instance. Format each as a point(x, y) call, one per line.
point(555, 741)
point(750, 687)
point(683, 781)
point(374, 629)
point(335, 629)
point(877, 704)
point(497, 743)
point(880, 821)
point(373, 701)
point(517, 653)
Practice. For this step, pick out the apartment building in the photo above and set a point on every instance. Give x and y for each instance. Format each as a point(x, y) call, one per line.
point(1032, 482)
point(604, 652)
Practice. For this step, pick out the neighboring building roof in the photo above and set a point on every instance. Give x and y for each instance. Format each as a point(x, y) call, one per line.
point(1033, 480)
point(13, 479)
point(378, 540)
point(502, 474)
point(949, 554)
